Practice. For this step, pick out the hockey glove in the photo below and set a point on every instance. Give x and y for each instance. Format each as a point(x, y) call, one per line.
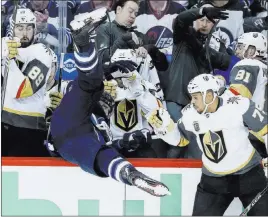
point(132, 141)
point(110, 87)
point(126, 41)
point(214, 13)
point(107, 104)
point(160, 120)
point(55, 99)
point(10, 47)
point(123, 62)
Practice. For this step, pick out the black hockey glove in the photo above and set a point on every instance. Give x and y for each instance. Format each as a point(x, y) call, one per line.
point(214, 13)
point(107, 104)
point(124, 42)
point(122, 67)
point(132, 141)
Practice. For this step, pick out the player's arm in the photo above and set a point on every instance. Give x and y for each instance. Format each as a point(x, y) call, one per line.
point(33, 77)
point(243, 80)
point(107, 44)
point(254, 118)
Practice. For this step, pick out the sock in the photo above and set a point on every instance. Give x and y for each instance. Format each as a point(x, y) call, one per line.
point(110, 163)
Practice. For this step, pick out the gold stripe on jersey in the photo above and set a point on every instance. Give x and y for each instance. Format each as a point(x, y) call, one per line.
point(183, 142)
point(34, 114)
point(258, 136)
point(233, 170)
point(242, 89)
point(263, 131)
point(25, 90)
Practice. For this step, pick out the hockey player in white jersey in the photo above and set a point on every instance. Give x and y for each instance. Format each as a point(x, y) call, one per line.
point(23, 116)
point(249, 76)
point(135, 97)
point(231, 166)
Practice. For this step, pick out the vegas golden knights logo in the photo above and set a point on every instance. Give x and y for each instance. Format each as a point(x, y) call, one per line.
point(213, 146)
point(126, 114)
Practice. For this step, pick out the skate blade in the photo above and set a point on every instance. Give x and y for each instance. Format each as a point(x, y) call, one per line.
point(156, 189)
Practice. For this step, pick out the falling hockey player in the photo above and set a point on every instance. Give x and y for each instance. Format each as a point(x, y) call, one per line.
point(231, 166)
point(74, 127)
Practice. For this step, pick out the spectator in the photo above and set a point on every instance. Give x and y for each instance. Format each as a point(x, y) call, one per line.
point(155, 19)
point(189, 57)
point(92, 5)
point(117, 35)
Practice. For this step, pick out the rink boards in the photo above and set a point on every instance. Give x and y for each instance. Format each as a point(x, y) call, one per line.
point(53, 187)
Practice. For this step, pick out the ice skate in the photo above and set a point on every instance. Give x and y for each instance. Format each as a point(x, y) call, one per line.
point(143, 182)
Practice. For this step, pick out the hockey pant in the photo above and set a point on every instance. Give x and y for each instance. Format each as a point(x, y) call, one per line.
point(84, 150)
point(214, 194)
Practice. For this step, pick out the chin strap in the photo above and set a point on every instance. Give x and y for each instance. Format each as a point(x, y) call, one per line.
point(207, 104)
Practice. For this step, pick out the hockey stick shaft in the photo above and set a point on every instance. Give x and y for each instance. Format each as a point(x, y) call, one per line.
point(254, 201)
point(60, 73)
point(6, 68)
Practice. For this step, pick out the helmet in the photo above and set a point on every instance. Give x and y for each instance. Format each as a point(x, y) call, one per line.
point(256, 39)
point(204, 82)
point(25, 15)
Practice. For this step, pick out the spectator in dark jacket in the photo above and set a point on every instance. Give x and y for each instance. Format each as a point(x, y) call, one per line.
point(189, 55)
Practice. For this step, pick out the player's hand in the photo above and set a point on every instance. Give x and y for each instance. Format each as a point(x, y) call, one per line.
point(10, 47)
point(110, 87)
point(126, 41)
point(55, 99)
point(141, 52)
point(215, 13)
point(161, 121)
point(132, 141)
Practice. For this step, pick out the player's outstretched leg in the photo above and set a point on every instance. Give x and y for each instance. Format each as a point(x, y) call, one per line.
point(113, 165)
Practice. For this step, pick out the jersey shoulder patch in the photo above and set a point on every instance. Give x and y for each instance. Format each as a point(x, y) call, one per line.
point(238, 104)
point(187, 108)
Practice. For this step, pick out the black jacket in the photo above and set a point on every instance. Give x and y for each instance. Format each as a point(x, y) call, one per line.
point(189, 57)
point(107, 34)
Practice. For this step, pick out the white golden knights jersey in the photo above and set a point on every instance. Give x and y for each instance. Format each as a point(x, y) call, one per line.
point(149, 73)
point(249, 79)
point(222, 136)
point(131, 107)
point(24, 104)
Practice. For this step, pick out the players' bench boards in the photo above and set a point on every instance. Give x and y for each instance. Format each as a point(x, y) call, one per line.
point(49, 186)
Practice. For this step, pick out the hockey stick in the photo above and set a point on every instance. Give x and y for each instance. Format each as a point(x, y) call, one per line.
point(6, 69)
point(254, 201)
point(60, 73)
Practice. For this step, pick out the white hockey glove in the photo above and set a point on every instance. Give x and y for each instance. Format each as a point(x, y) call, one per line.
point(84, 24)
point(10, 47)
point(123, 63)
